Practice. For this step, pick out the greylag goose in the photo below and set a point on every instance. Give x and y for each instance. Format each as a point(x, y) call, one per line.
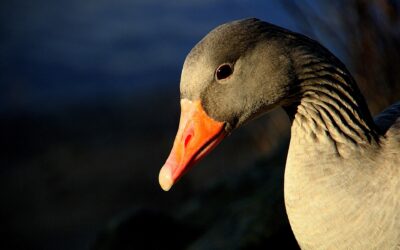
point(342, 174)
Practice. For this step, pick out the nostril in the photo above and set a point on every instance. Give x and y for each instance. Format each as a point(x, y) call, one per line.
point(187, 135)
point(187, 139)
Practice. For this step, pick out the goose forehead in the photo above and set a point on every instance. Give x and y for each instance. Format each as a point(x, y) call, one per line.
point(224, 44)
point(194, 79)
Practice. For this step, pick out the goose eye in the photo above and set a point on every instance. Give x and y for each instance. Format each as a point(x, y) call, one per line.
point(223, 71)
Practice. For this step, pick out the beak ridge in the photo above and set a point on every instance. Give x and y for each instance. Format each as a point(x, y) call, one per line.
point(197, 135)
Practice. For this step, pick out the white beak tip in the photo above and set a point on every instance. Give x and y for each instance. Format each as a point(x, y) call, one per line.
point(165, 178)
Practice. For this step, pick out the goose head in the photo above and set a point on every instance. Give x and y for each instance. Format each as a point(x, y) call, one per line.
point(238, 71)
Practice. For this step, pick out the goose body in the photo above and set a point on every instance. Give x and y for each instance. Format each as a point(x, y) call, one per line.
point(342, 175)
point(342, 195)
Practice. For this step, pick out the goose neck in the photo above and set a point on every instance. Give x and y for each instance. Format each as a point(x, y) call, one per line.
point(329, 106)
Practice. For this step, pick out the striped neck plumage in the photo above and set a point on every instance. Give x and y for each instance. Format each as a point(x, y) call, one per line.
point(328, 103)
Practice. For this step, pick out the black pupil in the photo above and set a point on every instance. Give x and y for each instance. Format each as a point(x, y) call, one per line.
point(224, 71)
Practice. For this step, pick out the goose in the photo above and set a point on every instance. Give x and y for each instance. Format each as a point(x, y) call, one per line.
point(342, 173)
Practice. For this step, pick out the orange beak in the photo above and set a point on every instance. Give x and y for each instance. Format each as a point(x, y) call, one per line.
point(197, 135)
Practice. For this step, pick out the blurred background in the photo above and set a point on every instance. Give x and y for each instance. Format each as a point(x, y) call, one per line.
point(89, 107)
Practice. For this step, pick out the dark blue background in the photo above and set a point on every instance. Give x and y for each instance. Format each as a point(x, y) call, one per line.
point(63, 52)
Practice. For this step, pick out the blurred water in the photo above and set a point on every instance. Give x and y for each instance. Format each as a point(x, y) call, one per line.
point(62, 52)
